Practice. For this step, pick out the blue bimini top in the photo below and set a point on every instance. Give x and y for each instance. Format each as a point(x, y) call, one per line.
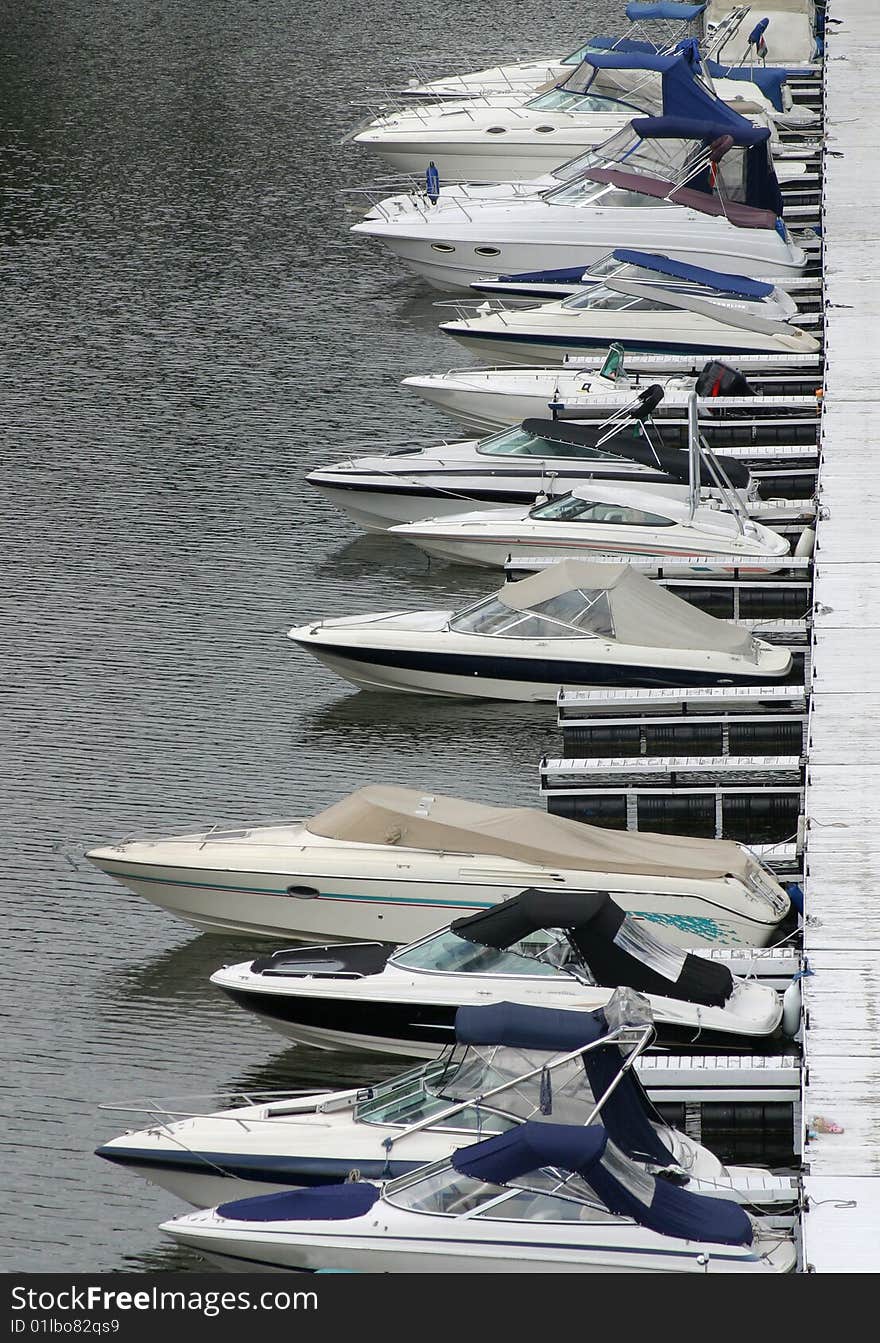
point(684, 13)
point(681, 270)
point(656, 1204)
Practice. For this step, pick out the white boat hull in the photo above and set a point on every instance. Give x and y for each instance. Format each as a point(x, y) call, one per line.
point(391, 1239)
point(494, 554)
point(451, 251)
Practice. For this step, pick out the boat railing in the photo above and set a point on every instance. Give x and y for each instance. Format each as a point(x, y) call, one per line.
point(475, 307)
point(635, 1038)
point(196, 1105)
point(414, 188)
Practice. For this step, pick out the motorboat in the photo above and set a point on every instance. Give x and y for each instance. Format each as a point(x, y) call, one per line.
point(509, 1064)
point(651, 319)
point(505, 398)
point(394, 863)
point(648, 268)
point(540, 1198)
point(696, 192)
point(577, 623)
point(767, 88)
point(616, 519)
point(540, 457)
point(502, 138)
point(544, 948)
point(655, 33)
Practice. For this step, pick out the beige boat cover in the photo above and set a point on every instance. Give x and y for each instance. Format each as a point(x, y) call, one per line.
point(644, 614)
point(388, 814)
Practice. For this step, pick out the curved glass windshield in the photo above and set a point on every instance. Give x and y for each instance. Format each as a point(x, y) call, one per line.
point(585, 609)
point(574, 509)
point(587, 192)
point(557, 100)
point(517, 443)
point(609, 300)
point(450, 954)
point(491, 617)
point(542, 1195)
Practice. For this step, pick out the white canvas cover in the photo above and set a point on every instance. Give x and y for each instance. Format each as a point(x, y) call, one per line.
point(407, 818)
point(644, 614)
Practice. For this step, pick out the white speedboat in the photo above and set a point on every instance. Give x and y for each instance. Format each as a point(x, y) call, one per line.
point(615, 519)
point(530, 76)
point(543, 1198)
point(539, 457)
point(648, 268)
point(545, 948)
point(488, 1082)
point(680, 213)
point(393, 863)
point(503, 138)
point(647, 319)
point(576, 623)
point(491, 399)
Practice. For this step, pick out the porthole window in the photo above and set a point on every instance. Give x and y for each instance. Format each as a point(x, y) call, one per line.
point(496, 130)
point(488, 251)
point(544, 130)
point(442, 247)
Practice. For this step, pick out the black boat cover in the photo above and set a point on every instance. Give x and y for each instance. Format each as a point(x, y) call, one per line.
point(592, 920)
point(673, 461)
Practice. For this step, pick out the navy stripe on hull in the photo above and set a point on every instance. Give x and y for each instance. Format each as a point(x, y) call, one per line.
point(433, 1024)
point(634, 344)
point(540, 671)
point(487, 495)
point(292, 1170)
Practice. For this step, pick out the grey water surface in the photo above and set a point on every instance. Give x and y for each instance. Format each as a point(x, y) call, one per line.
point(187, 328)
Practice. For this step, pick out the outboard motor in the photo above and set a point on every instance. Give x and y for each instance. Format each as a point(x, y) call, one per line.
point(719, 379)
point(648, 401)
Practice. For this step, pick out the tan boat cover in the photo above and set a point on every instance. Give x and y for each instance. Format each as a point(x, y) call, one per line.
point(388, 814)
point(644, 614)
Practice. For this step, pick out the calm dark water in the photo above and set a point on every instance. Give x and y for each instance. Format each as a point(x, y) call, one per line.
point(187, 327)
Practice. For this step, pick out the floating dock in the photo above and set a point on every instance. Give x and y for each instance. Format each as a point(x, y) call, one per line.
point(841, 1227)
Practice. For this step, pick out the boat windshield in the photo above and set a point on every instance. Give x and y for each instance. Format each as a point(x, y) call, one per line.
point(485, 1067)
point(562, 100)
point(608, 300)
point(580, 613)
point(545, 952)
point(467, 1073)
point(542, 1195)
point(517, 443)
point(574, 509)
point(493, 618)
point(600, 194)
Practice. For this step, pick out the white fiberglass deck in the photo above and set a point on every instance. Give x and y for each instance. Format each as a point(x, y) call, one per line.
point(842, 939)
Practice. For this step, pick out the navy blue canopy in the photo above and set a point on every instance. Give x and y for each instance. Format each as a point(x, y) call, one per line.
point(328, 1203)
point(683, 93)
point(741, 131)
point(760, 187)
point(671, 1210)
point(622, 44)
point(628, 1115)
point(640, 9)
point(712, 279)
point(530, 1147)
point(522, 1027)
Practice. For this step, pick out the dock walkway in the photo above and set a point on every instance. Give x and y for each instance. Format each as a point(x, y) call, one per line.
point(842, 937)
